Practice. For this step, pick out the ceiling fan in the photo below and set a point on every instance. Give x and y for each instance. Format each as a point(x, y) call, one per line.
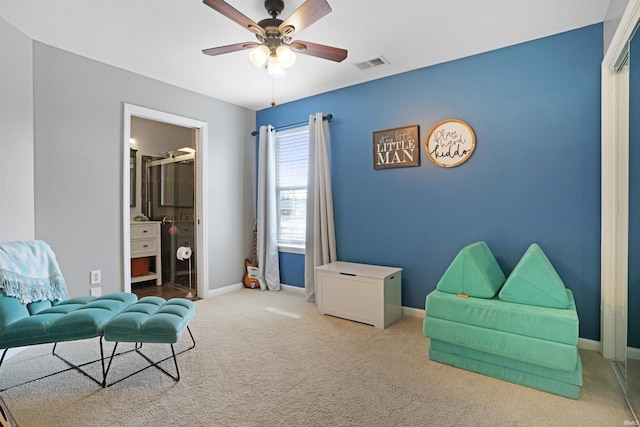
point(275, 44)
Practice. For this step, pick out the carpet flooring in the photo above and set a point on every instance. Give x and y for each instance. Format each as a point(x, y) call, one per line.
point(269, 359)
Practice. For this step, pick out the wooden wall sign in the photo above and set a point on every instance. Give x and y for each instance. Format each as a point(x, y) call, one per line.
point(450, 143)
point(396, 148)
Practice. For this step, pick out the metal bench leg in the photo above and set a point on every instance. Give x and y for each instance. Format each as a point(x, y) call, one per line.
point(79, 367)
point(35, 379)
point(113, 353)
point(71, 365)
point(156, 364)
point(4, 353)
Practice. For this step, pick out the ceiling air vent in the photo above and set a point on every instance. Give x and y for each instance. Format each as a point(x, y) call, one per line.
point(371, 63)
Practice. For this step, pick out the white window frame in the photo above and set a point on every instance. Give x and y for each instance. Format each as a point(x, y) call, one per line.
point(288, 246)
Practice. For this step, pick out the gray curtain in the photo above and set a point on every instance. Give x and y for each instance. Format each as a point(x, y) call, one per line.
point(320, 246)
point(267, 232)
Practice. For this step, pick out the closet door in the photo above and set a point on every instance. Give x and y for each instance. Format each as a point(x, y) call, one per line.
point(633, 287)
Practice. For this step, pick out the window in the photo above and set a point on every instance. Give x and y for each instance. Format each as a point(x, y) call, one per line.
point(291, 185)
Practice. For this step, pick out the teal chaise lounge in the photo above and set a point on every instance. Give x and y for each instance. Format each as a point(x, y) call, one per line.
point(34, 308)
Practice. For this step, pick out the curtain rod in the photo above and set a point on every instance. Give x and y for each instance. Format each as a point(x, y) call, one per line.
point(328, 118)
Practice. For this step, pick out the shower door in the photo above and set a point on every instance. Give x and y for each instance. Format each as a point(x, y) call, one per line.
point(169, 194)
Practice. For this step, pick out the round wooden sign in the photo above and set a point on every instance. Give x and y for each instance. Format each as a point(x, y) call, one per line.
point(450, 143)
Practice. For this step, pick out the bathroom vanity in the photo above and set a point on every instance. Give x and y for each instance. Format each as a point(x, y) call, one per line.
point(145, 250)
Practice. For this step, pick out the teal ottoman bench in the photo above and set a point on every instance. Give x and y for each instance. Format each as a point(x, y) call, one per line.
point(151, 320)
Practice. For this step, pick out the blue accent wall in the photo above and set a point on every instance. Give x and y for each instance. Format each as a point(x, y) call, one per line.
point(534, 176)
point(291, 269)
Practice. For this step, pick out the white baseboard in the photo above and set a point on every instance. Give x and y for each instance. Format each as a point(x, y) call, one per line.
point(407, 311)
point(224, 290)
point(413, 312)
point(236, 286)
point(587, 344)
point(296, 289)
point(633, 353)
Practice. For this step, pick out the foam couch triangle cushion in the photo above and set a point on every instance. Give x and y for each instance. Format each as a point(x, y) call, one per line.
point(474, 272)
point(534, 281)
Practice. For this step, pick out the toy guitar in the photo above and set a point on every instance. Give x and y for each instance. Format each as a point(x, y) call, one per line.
point(250, 279)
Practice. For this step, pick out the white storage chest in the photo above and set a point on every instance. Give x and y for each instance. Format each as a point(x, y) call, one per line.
point(369, 294)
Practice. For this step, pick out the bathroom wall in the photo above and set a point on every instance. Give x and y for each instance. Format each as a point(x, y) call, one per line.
point(154, 138)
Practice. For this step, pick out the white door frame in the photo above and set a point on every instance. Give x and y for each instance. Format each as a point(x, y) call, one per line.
point(202, 276)
point(615, 188)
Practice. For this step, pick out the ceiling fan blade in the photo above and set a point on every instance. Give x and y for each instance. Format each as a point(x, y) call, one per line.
point(236, 16)
point(213, 51)
point(309, 12)
point(319, 50)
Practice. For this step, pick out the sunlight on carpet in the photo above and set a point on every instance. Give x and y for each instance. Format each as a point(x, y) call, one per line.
point(284, 313)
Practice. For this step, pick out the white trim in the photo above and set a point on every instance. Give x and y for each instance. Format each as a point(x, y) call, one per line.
point(126, 200)
point(224, 290)
point(618, 48)
point(614, 228)
point(633, 353)
point(291, 288)
point(237, 286)
point(202, 239)
point(615, 182)
point(202, 210)
point(292, 249)
point(413, 312)
point(591, 345)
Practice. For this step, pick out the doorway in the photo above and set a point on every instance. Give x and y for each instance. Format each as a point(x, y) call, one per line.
point(165, 188)
point(168, 194)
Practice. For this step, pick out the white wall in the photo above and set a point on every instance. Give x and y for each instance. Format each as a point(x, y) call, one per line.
point(16, 135)
point(78, 112)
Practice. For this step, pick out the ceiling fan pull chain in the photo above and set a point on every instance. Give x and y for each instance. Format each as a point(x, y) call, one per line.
point(273, 91)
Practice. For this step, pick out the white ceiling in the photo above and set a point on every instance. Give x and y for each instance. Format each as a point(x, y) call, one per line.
point(163, 39)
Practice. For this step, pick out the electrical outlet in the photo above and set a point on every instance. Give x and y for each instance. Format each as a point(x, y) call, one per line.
point(96, 292)
point(95, 277)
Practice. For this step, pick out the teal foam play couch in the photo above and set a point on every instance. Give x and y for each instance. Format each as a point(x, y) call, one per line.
point(522, 329)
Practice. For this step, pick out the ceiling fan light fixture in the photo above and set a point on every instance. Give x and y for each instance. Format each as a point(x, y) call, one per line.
point(275, 68)
point(285, 56)
point(259, 55)
point(275, 48)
